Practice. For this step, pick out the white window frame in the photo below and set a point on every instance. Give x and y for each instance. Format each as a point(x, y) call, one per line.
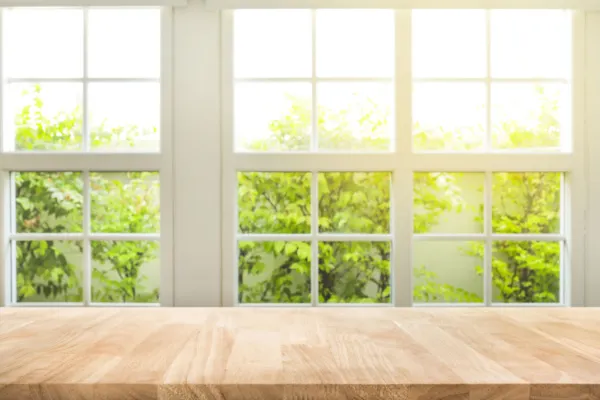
point(402, 163)
point(161, 162)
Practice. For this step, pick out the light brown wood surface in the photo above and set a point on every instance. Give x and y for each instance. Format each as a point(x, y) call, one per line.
point(290, 353)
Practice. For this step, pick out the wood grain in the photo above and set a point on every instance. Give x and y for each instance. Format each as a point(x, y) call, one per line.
point(291, 353)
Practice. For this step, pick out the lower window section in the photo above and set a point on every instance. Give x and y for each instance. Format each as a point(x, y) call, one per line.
point(526, 272)
point(49, 271)
point(56, 241)
point(354, 272)
point(125, 271)
point(448, 272)
point(274, 272)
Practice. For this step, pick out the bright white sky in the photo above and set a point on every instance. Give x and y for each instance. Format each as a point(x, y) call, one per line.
point(360, 44)
point(278, 44)
point(121, 44)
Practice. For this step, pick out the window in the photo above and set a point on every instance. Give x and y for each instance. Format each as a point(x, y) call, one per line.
point(81, 140)
point(396, 157)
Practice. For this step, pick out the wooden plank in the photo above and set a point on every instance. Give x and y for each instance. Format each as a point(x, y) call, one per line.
point(326, 353)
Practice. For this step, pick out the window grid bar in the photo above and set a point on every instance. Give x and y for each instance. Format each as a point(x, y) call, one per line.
point(12, 206)
point(490, 79)
point(349, 237)
point(29, 237)
point(564, 245)
point(135, 305)
point(314, 226)
point(533, 305)
point(87, 250)
point(487, 226)
point(541, 237)
point(82, 304)
point(274, 305)
point(83, 79)
point(314, 143)
point(443, 305)
point(402, 174)
point(315, 78)
point(357, 305)
point(318, 237)
point(13, 274)
point(85, 131)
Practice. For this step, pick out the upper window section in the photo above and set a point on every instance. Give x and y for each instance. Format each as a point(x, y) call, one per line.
point(313, 80)
point(89, 77)
point(496, 80)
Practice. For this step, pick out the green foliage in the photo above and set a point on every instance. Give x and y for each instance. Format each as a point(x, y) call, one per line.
point(359, 203)
point(281, 203)
point(53, 203)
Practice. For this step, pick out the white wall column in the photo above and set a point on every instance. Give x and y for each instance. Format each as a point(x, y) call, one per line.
point(592, 126)
point(197, 160)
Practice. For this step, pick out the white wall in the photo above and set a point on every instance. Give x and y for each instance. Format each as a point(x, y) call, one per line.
point(197, 162)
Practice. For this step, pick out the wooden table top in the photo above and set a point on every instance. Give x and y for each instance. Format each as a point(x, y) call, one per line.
point(291, 353)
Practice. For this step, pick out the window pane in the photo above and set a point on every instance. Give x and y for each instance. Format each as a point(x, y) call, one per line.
point(124, 116)
point(355, 43)
point(272, 43)
point(354, 202)
point(528, 44)
point(527, 116)
point(125, 202)
point(449, 43)
point(449, 116)
point(526, 272)
point(526, 202)
point(448, 272)
point(125, 271)
point(45, 116)
point(48, 202)
point(272, 116)
point(43, 43)
point(112, 36)
point(274, 272)
point(354, 272)
point(448, 202)
point(274, 202)
point(49, 271)
point(355, 116)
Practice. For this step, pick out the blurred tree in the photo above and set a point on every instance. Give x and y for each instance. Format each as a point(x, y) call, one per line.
point(280, 203)
point(359, 203)
point(53, 203)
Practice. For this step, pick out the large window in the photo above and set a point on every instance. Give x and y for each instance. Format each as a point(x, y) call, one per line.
point(81, 144)
point(397, 157)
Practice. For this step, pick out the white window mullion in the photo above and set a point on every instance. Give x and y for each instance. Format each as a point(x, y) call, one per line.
point(96, 161)
point(592, 127)
point(488, 81)
point(488, 248)
point(6, 266)
point(574, 195)
point(402, 184)
point(87, 246)
point(229, 254)
point(314, 188)
point(6, 278)
point(488, 178)
point(314, 241)
point(167, 177)
point(397, 4)
point(85, 128)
